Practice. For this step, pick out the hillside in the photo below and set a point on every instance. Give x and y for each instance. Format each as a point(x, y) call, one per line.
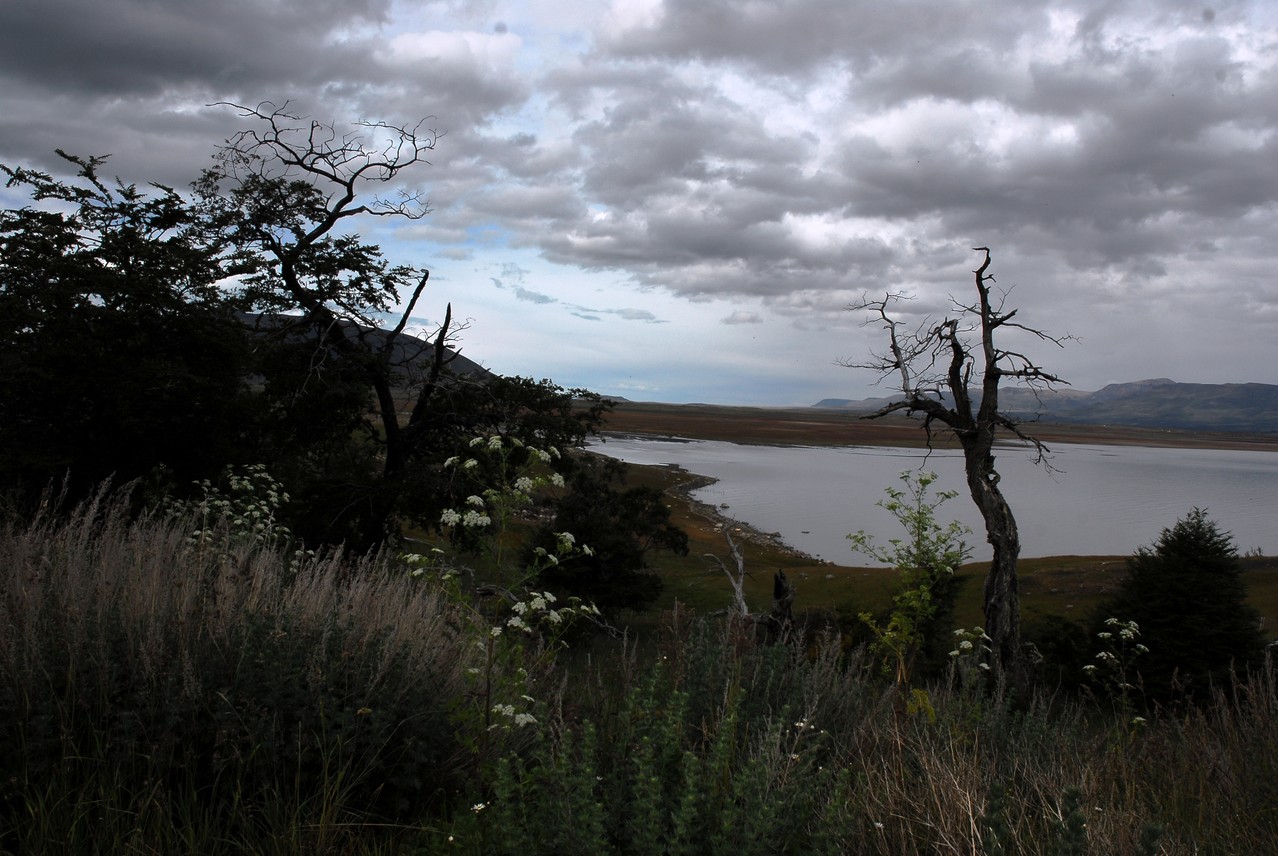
point(1154, 403)
point(410, 356)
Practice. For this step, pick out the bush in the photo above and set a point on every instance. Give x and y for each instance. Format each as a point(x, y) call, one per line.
point(620, 525)
point(1186, 595)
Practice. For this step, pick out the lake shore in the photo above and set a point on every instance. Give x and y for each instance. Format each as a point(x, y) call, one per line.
point(720, 522)
point(1067, 585)
point(819, 427)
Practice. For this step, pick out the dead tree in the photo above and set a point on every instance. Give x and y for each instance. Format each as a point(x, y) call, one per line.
point(780, 619)
point(939, 361)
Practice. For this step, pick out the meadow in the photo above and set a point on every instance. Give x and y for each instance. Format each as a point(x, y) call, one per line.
point(165, 691)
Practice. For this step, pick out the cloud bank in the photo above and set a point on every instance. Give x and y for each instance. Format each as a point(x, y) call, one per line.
point(685, 196)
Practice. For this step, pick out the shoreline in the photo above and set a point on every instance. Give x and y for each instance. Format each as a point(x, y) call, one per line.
point(684, 482)
point(720, 521)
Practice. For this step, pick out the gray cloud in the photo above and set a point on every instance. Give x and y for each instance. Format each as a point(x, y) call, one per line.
point(533, 296)
point(1118, 155)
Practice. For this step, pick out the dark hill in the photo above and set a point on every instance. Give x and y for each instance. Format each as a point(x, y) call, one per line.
point(410, 356)
point(1153, 403)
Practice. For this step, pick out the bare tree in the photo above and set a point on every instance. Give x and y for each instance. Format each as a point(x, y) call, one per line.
point(939, 361)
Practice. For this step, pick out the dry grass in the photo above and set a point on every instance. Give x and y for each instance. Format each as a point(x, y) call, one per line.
point(217, 686)
point(161, 697)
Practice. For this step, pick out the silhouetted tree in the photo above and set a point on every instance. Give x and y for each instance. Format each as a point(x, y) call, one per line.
point(939, 361)
point(282, 191)
point(119, 352)
point(123, 340)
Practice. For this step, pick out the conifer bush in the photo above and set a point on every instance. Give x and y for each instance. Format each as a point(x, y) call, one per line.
point(1185, 592)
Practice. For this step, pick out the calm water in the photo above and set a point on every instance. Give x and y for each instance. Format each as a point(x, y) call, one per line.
point(1100, 500)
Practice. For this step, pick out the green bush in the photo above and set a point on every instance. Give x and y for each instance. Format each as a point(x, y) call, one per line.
point(1186, 595)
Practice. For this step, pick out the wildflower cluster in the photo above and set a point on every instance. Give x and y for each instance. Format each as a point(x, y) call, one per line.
point(972, 646)
point(420, 564)
point(1115, 662)
point(566, 545)
point(518, 650)
point(538, 611)
point(246, 510)
point(506, 473)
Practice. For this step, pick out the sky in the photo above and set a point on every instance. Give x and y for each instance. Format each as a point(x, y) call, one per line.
point(680, 200)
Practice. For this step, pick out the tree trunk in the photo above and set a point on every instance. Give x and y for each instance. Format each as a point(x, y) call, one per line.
point(1002, 603)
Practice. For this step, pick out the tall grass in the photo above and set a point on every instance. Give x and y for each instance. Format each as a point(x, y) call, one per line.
point(722, 746)
point(149, 684)
point(164, 696)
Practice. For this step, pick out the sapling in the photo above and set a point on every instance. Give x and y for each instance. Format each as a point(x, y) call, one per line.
point(925, 560)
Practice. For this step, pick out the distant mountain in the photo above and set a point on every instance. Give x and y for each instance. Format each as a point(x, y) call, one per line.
point(1152, 403)
point(410, 356)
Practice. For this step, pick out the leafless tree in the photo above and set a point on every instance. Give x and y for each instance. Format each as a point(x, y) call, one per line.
point(939, 361)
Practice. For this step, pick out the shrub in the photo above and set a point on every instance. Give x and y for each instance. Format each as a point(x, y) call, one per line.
point(917, 634)
point(1186, 594)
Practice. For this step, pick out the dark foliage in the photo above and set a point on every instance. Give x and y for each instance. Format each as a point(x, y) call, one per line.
point(1063, 647)
point(125, 353)
point(1186, 594)
point(118, 352)
point(620, 525)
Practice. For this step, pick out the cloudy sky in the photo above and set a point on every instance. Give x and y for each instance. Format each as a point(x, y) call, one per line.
point(678, 200)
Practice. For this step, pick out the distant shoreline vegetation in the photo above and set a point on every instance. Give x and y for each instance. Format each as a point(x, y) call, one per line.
point(821, 426)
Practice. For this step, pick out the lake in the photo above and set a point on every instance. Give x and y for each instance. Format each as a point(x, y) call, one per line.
point(1096, 500)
